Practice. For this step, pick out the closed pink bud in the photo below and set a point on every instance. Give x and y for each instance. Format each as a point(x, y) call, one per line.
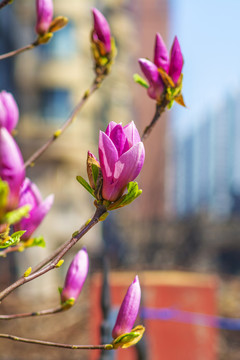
point(30, 195)
point(9, 113)
point(11, 166)
point(101, 31)
point(156, 85)
point(121, 157)
point(128, 311)
point(172, 67)
point(176, 62)
point(76, 276)
point(161, 59)
point(44, 15)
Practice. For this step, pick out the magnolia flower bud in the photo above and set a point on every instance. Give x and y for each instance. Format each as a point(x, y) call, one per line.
point(121, 157)
point(11, 166)
point(76, 276)
point(44, 16)
point(30, 195)
point(9, 113)
point(128, 311)
point(162, 69)
point(101, 32)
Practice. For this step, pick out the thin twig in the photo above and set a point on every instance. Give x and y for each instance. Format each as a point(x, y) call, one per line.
point(53, 344)
point(10, 249)
point(18, 51)
point(32, 314)
point(96, 84)
point(4, 3)
point(49, 258)
point(54, 263)
point(160, 108)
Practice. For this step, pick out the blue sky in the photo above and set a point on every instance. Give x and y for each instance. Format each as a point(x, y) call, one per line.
point(209, 35)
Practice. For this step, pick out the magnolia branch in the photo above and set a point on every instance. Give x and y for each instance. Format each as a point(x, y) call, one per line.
point(55, 262)
point(54, 344)
point(35, 313)
point(159, 111)
point(18, 51)
point(4, 3)
point(96, 84)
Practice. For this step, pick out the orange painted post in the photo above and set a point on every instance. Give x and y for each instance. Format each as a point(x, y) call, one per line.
point(165, 339)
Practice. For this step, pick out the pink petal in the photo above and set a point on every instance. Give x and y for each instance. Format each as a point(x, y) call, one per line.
point(11, 165)
point(8, 118)
point(176, 62)
point(119, 139)
point(110, 127)
point(44, 15)
point(102, 29)
point(149, 69)
point(132, 134)
point(36, 216)
point(108, 156)
point(161, 59)
point(129, 164)
point(129, 310)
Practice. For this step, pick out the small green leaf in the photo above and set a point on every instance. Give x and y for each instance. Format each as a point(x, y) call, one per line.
point(11, 240)
point(95, 172)
point(85, 185)
point(15, 216)
point(17, 235)
point(37, 241)
point(68, 303)
point(129, 339)
point(139, 80)
point(4, 190)
point(60, 289)
point(132, 194)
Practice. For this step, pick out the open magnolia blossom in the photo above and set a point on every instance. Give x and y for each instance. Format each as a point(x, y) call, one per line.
point(121, 157)
point(163, 68)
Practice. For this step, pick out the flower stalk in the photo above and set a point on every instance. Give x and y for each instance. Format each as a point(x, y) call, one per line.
point(34, 313)
point(96, 84)
point(52, 262)
point(54, 344)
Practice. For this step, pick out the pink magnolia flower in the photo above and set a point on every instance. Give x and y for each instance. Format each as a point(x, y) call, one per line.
point(172, 67)
point(30, 195)
point(101, 31)
point(9, 113)
point(121, 157)
point(76, 276)
point(44, 15)
point(128, 311)
point(11, 166)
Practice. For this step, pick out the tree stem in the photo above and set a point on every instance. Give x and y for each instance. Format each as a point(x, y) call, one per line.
point(96, 84)
point(32, 314)
point(54, 344)
point(4, 3)
point(101, 209)
point(18, 51)
point(160, 108)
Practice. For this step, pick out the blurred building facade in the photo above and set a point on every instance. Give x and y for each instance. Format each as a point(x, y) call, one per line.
point(207, 164)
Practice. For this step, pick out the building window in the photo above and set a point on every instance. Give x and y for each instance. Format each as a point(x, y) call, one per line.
point(62, 45)
point(55, 104)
